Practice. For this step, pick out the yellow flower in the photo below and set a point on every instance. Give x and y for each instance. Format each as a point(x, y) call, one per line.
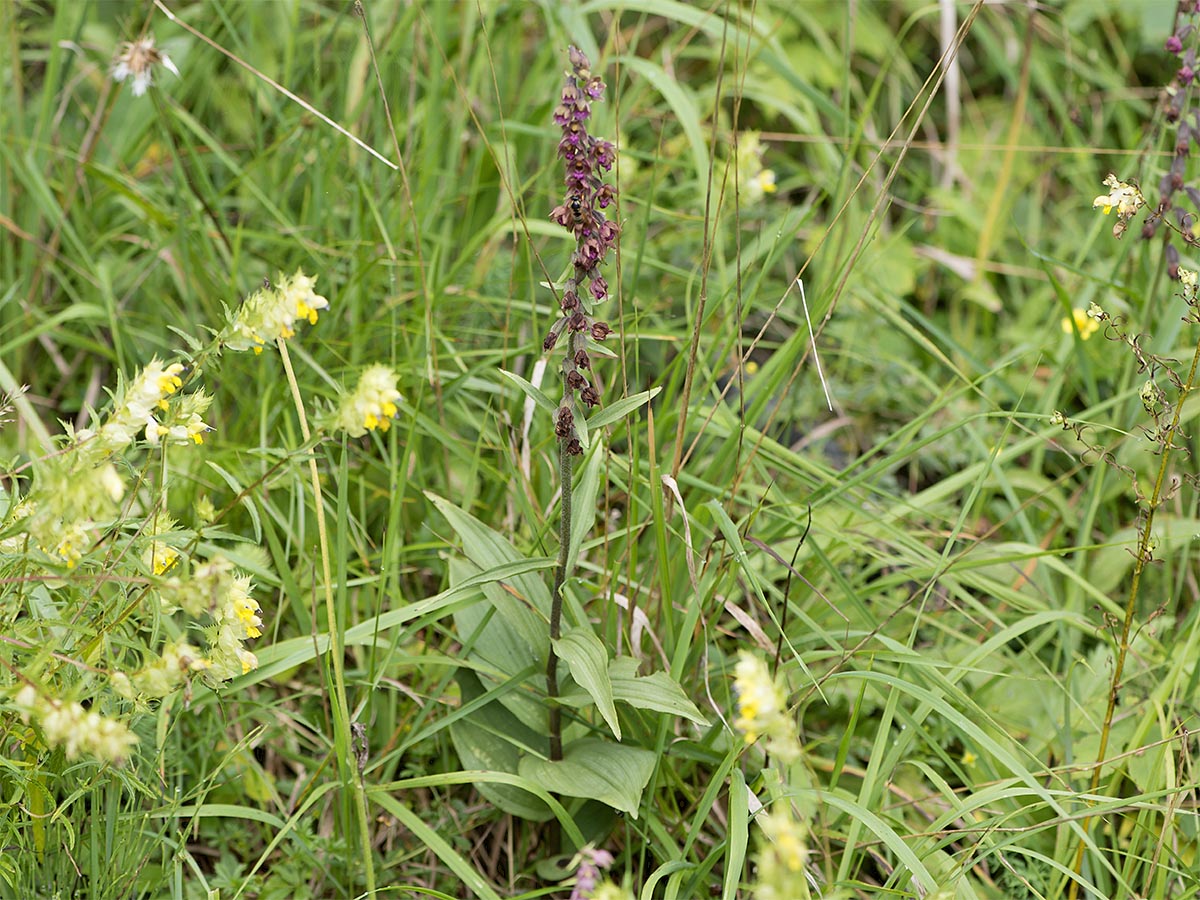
point(192, 430)
point(140, 398)
point(759, 700)
point(248, 660)
point(1080, 320)
point(169, 382)
point(371, 405)
point(298, 291)
point(77, 730)
point(69, 548)
point(1124, 198)
point(762, 708)
point(270, 314)
point(160, 557)
point(241, 611)
point(766, 181)
point(782, 853)
point(756, 181)
point(247, 613)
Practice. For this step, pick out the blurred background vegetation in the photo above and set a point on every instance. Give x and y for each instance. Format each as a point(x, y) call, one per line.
point(935, 565)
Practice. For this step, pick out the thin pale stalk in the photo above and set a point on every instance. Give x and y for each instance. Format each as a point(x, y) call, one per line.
point(341, 707)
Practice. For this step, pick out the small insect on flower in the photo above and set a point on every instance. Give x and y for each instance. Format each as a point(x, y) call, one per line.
point(136, 61)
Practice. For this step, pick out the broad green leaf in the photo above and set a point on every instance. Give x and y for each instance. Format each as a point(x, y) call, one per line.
point(658, 692)
point(505, 636)
point(487, 549)
point(611, 773)
point(583, 509)
point(587, 659)
point(481, 743)
point(512, 639)
point(480, 749)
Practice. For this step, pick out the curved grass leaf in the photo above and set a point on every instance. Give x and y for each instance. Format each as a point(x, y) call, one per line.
point(465, 871)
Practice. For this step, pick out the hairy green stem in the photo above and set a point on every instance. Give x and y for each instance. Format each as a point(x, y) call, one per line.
point(1140, 561)
point(565, 463)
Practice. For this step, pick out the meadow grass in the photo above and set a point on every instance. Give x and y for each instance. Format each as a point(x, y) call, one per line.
point(937, 571)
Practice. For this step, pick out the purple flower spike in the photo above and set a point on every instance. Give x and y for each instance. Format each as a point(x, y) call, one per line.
point(586, 160)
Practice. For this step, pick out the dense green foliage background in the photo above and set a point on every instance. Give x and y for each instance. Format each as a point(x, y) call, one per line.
point(939, 570)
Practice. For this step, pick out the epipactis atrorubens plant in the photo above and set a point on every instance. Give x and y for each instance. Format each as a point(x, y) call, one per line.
point(588, 161)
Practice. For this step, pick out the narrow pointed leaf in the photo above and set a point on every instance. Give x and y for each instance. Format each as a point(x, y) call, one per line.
point(537, 395)
point(621, 408)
